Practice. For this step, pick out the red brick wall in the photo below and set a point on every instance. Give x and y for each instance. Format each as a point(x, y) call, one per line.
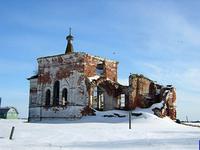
point(139, 88)
point(111, 70)
point(90, 64)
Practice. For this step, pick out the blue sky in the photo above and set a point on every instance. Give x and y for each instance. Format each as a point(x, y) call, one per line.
point(160, 39)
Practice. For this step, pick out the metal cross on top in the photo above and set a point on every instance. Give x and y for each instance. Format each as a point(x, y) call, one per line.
point(70, 31)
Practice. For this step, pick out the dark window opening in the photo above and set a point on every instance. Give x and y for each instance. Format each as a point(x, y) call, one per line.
point(56, 90)
point(99, 69)
point(47, 98)
point(64, 97)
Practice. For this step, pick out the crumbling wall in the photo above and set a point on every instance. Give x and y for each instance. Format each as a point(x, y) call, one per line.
point(111, 92)
point(143, 93)
point(90, 65)
point(58, 67)
point(67, 69)
point(139, 90)
point(109, 67)
point(168, 107)
point(111, 70)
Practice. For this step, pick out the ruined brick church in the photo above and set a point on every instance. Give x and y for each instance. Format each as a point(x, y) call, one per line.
point(74, 84)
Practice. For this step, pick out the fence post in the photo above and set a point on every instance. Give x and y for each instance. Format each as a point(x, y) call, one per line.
point(130, 113)
point(11, 133)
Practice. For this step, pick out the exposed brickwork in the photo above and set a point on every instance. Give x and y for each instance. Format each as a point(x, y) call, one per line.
point(63, 72)
point(109, 67)
point(111, 71)
point(144, 93)
point(44, 78)
point(58, 67)
point(90, 64)
point(140, 87)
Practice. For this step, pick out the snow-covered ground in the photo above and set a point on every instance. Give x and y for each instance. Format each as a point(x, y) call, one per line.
point(97, 132)
point(192, 123)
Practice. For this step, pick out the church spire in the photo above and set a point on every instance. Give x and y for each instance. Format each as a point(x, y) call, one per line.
point(69, 48)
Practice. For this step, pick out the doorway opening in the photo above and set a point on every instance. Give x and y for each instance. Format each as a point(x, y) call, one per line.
point(98, 98)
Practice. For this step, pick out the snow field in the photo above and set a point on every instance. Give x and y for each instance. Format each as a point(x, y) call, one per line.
point(98, 132)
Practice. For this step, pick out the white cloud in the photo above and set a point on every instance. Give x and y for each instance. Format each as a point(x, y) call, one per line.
point(123, 81)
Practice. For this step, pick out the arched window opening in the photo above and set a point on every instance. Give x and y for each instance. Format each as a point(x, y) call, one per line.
point(56, 90)
point(99, 69)
point(64, 97)
point(47, 98)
